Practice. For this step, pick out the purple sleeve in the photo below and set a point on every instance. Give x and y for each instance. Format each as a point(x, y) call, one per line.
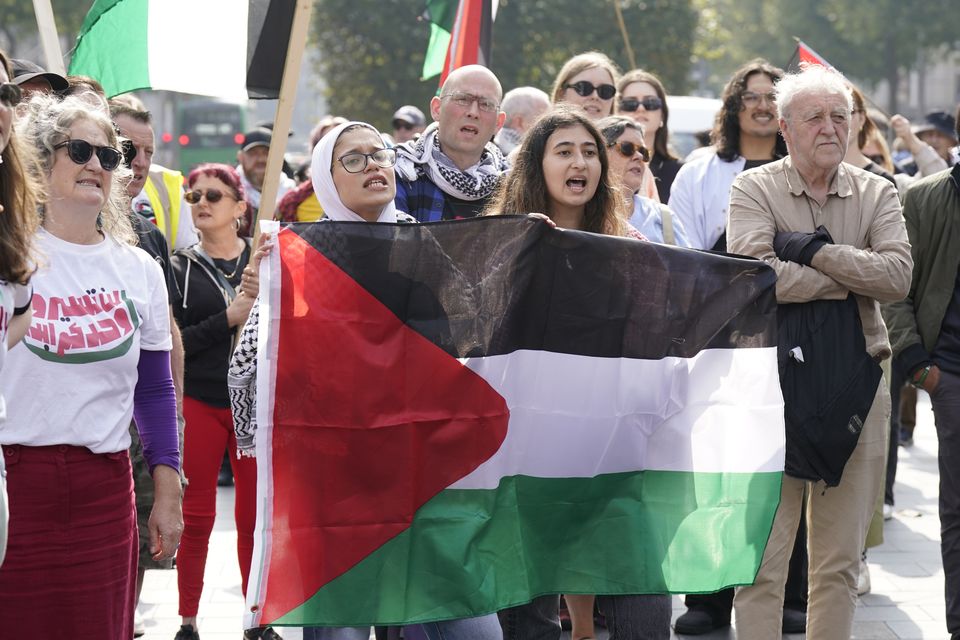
point(155, 410)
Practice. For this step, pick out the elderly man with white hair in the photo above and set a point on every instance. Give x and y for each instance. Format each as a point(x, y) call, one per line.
point(829, 230)
point(523, 105)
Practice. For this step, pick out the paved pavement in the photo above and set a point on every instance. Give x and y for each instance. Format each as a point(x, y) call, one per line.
point(906, 601)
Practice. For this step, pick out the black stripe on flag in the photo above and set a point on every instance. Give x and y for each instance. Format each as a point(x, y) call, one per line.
point(491, 286)
point(268, 33)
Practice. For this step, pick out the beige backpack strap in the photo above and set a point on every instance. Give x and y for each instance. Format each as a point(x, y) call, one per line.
point(666, 216)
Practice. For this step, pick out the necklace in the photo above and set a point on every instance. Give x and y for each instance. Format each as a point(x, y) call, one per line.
point(236, 266)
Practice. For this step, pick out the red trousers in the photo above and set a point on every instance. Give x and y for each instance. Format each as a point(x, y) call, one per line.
point(207, 435)
point(71, 565)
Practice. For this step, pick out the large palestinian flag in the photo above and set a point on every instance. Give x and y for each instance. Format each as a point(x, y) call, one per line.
point(223, 48)
point(457, 417)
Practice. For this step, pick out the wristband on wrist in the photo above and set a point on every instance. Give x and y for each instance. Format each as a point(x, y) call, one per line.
point(918, 380)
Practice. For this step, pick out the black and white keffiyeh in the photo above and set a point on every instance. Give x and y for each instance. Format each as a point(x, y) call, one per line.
point(423, 157)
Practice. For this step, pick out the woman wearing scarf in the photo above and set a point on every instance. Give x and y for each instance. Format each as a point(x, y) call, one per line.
point(354, 181)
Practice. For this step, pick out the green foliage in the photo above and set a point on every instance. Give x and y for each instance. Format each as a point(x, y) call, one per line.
point(371, 56)
point(870, 40)
point(19, 24)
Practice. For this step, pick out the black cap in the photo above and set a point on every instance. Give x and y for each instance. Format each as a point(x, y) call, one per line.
point(24, 71)
point(259, 137)
point(409, 114)
point(938, 121)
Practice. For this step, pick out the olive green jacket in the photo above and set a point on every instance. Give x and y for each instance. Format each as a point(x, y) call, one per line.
point(931, 210)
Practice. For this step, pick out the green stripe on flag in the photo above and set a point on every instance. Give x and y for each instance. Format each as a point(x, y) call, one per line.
point(114, 30)
point(436, 52)
point(638, 532)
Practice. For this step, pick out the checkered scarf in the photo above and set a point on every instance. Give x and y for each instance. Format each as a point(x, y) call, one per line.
point(424, 157)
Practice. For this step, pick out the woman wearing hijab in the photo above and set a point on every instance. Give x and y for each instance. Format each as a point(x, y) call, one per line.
point(352, 173)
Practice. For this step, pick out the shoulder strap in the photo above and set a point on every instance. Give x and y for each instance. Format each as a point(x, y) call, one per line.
point(229, 293)
point(667, 218)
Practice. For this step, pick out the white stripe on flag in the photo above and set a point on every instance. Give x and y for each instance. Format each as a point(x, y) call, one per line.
point(198, 46)
point(578, 416)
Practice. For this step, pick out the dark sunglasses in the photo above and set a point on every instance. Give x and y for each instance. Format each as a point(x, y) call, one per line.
point(80, 151)
point(10, 94)
point(877, 159)
point(584, 88)
point(650, 103)
point(213, 196)
point(628, 149)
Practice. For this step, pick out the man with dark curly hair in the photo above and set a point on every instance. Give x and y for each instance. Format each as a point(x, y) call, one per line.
point(746, 135)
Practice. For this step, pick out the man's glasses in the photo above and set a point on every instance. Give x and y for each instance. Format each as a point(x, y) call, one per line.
point(357, 162)
point(10, 94)
point(212, 195)
point(628, 149)
point(80, 151)
point(584, 89)
point(465, 100)
point(650, 103)
point(751, 99)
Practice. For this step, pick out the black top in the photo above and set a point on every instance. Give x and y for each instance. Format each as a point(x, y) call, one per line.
point(873, 167)
point(200, 308)
point(152, 240)
point(664, 171)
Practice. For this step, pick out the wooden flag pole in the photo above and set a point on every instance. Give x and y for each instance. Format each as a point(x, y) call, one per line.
point(623, 32)
point(281, 122)
point(48, 37)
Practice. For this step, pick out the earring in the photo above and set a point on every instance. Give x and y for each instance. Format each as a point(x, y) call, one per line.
point(237, 223)
point(99, 222)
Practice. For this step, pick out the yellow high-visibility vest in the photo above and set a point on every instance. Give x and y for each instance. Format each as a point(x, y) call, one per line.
point(163, 190)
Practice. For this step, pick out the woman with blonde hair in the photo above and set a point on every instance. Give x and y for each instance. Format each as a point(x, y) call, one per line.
point(95, 356)
point(589, 81)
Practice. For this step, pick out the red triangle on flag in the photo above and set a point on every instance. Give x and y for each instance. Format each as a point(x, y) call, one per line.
point(371, 420)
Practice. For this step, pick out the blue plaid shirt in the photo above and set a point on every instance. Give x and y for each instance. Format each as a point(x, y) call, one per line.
point(424, 200)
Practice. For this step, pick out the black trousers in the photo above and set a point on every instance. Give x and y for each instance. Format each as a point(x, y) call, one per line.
point(946, 413)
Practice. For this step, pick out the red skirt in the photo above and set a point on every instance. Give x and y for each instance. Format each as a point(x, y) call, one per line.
point(71, 564)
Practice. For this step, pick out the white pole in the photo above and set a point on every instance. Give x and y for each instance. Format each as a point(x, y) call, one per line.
point(48, 37)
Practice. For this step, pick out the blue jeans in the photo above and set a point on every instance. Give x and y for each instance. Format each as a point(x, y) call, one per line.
point(480, 628)
point(636, 617)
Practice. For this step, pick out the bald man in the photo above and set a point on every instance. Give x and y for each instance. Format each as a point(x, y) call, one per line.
point(453, 168)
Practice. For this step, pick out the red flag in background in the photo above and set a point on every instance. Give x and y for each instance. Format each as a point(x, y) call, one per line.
point(808, 55)
point(471, 36)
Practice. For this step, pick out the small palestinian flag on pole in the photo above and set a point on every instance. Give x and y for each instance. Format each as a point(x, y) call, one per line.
point(804, 55)
point(457, 417)
point(461, 33)
point(222, 48)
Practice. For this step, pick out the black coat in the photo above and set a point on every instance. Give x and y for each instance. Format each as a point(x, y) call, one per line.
point(828, 394)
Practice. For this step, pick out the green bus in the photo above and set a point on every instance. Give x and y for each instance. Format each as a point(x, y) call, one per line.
point(204, 130)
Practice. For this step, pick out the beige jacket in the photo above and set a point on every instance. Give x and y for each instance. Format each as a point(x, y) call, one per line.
point(871, 254)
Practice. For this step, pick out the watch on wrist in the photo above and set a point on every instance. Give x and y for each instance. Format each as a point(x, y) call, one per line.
point(920, 377)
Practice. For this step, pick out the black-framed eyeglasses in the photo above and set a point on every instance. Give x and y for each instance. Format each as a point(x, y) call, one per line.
point(465, 100)
point(628, 149)
point(650, 103)
point(80, 151)
point(752, 99)
point(356, 162)
point(584, 89)
point(10, 94)
point(213, 195)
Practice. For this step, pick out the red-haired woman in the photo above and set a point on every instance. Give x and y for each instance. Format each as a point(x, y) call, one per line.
point(211, 306)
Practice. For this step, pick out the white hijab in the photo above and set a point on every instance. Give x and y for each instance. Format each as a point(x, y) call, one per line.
point(322, 177)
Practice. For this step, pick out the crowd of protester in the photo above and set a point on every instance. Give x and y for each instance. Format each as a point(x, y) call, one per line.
point(103, 431)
